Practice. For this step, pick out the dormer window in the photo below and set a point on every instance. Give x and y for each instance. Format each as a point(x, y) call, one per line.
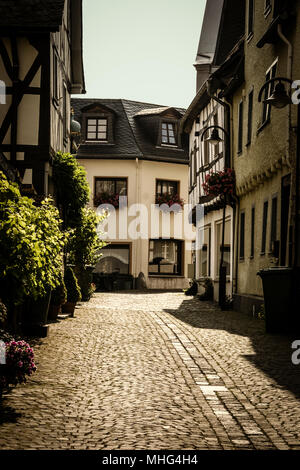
point(97, 129)
point(168, 133)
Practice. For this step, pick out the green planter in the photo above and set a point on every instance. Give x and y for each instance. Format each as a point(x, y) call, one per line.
point(35, 312)
point(278, 290)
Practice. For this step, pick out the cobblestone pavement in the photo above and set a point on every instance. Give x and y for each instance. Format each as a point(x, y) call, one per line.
point(156, 371)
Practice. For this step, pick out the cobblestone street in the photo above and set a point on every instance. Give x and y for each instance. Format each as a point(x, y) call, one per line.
point(156, 371)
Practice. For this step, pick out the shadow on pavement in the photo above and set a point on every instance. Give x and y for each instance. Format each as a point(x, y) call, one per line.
point(8, 414)
point(272, 352)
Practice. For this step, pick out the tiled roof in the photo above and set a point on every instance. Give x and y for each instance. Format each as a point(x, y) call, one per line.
point(133, 138)
point(35, 14)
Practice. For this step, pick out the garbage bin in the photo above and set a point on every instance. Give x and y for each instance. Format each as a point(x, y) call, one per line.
point(278, 298)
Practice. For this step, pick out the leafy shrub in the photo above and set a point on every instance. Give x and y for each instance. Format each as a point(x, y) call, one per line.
point(19, 363)
point(3, 314)
point(59, 294)
point(73, 289)
point(193, 289)
point(71, 187)
point(31, 243)
point(209, 290)
point(84, 243)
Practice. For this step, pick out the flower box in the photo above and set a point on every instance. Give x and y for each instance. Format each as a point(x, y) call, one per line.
point(105, 198)
point(169, 200)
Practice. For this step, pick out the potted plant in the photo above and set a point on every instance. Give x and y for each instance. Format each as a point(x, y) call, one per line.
point(73, 291)
point(3, 314)
point(19, 363)
point(58, 298)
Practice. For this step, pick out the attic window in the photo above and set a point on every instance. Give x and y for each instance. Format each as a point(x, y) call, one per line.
point(96, 129)
point(168, 133)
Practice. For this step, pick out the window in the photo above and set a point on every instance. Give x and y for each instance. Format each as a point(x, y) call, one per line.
point(55, 76)
point(273, 236)
point(204, 252)
point(168, 133)
point(250, 18)
point(166, 187)
point(250, 116)
point(271, 73)
point(226, 252)
point(268, 7)
point(240, 132)
point(165, 257)
point(111, 186)
point(96, 129)
point(65, 123)
point(252, 232)
point(115, 259)
point(242, 235)
point(264, 228)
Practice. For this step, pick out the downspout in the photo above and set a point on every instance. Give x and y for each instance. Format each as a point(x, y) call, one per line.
point(137, 199)
point(288, 157)
point(289, 76)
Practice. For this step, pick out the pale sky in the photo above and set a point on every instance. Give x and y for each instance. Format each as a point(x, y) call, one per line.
point(142, 50)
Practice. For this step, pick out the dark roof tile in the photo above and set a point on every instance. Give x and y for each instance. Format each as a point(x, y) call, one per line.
point(33, 14)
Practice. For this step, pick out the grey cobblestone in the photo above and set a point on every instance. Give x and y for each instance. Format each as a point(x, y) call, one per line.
point(156, 371)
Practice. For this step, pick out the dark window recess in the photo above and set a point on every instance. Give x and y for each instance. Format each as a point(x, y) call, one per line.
point(240, 134)
point(242, 235)
point(168, 133)
point(55, 76)
point(96, 129)
point(264, 228)
point(268, 91)
point(273, 236)
point(111, 186)
point(250, 116)
point(268, 6)
point(250, 17)
point(252, 232)
point(115, 259)
point(166, 187)
point(165, 257)
point(65, 124)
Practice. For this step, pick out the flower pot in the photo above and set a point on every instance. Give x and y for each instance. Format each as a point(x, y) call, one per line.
point(53, 312)
point(69, 307)
point(35, 312)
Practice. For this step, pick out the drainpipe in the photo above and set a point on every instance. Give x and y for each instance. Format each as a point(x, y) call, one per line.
point(137, 200)
point(288, 156)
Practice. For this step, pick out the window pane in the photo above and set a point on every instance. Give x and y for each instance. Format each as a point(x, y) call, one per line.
point(92, 121)
point(172, 140)
point(102, 122)
point(92, 128)
point(165, 139)
point(164, 125)
point(164, 132)
point(165, 257)
point(170, 126)
point(91, 135)
point(105, 186)
point(121, 187)
point(115, 259)
point(101, 135)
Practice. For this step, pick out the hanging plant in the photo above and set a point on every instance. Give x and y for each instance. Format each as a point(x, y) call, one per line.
point(219, 183)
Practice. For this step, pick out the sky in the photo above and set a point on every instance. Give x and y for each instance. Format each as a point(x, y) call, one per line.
point(142, 50)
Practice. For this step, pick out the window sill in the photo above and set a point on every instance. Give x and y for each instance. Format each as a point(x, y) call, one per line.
point(267, 11)
point(164, 276)
point(241, 260)
point(239, 153)
point(250, 36)
point(262, 126)
point(262, 253)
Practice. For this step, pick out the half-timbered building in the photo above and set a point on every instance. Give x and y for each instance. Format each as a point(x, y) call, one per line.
point(40, 67)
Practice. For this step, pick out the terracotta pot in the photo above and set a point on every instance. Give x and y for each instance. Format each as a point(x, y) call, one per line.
point(53, 312)
point(69, 307)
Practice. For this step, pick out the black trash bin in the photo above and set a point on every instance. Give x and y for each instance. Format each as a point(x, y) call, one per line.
point(278, 297)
